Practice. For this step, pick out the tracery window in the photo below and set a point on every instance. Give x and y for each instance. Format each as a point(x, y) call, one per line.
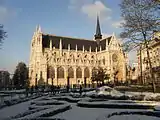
point(79, 72)
point(71, 72)
point(86, 72)
point(50, 72)
point(60, 72)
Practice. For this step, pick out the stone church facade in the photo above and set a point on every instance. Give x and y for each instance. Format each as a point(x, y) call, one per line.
point(54, 58)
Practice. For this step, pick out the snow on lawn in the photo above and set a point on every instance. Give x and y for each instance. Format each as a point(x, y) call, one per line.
point(46, 112)
point(13, 91)
point(122, 102)
point(78, 113)
point(147, 95)
point(105, 90)
point(14, 110)
point(132, 117)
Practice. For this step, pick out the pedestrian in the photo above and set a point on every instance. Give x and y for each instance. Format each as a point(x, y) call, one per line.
point(36, 89)
point(27, 89)
point(58, 89)
point(80, 90)
point(32, 90)
point(52, 89)
point(67, 88)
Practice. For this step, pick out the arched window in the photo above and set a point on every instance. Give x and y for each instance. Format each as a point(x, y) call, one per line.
point(60, 72)
point(50, 72)
point(86, 72)
point(114, 57)
point(79, 72)
point(71, 72)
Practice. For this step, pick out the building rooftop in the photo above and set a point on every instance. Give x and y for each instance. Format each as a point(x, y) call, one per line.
point(73, 42)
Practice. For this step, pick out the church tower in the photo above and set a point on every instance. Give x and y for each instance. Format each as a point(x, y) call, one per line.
point(98, 34)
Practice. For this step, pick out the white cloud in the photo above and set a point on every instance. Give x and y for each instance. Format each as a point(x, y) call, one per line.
point(91, 10)
point(93, 7)
point(77, 4)
point(3, 13)
point(6, 13)
point(105, 35)
point(117, 24)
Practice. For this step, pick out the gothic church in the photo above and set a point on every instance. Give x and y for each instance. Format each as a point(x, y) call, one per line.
point(54, 58)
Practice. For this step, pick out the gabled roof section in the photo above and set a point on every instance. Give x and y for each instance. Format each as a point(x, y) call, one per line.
point(73, 42)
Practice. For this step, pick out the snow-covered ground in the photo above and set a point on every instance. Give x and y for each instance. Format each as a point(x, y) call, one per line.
point(132, 117)
point(105, 90)
point(78, 113)
point(13, 91)
point(15, 96)
point(53, 103)
point(15, 109)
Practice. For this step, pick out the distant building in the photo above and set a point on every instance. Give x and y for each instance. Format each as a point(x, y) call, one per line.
point(154, 50)
point(4, 79)
point(57, 57)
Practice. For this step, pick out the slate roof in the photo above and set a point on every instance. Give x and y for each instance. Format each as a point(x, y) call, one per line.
point(73, 42)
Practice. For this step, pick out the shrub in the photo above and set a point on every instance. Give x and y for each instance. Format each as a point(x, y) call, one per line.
point(147, 113)
point(138, 97)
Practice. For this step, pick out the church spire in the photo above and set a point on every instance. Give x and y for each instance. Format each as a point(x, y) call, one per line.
point(98, 35)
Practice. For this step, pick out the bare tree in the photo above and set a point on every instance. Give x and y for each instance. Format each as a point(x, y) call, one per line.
point(141, 19)
point(2, 34)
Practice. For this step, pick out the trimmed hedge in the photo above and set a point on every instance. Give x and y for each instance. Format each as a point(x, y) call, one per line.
point(56, 111)
point(147, 113)
point(46, 113)
point(109, 97)
point(137, 97)
point(27, 113)
point(17, 101)
point(68, 99)
point(114, 105)
point(38, 103)
point(46, 118)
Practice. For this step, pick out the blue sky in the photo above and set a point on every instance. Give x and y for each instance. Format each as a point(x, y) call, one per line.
point(75, 18)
